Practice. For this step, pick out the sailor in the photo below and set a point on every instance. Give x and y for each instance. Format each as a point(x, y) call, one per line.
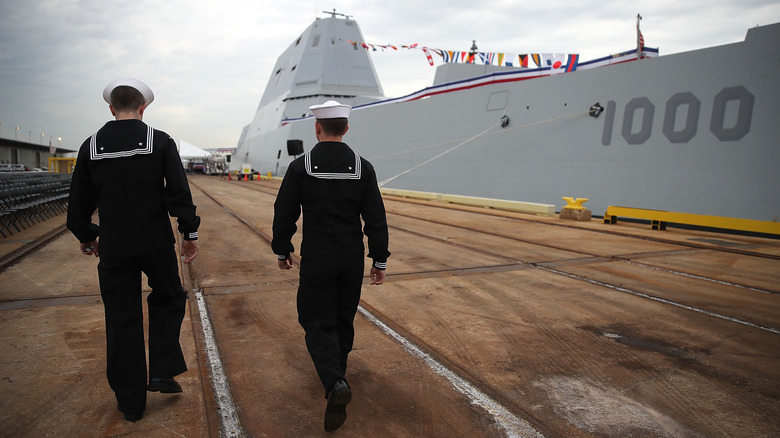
point(132, 174)
point(335, 187)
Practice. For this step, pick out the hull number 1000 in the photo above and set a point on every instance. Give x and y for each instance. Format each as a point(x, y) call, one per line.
point(682, 102)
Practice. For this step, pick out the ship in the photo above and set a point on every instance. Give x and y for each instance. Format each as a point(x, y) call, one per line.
point(692, 132)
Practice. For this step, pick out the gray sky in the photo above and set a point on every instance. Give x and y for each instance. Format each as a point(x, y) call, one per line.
point(208, 61)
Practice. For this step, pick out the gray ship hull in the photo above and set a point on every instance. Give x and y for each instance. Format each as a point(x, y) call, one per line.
point(693, 132)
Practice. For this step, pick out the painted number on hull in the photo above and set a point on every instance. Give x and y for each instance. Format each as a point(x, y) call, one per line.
point(681, 102)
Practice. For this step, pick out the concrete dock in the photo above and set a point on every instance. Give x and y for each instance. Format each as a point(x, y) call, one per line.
point(489, 324)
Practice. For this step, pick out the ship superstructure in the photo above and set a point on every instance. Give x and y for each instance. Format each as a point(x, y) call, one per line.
point(319, 65)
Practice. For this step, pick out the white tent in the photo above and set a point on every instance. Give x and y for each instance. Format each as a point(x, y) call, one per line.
point(188, 151)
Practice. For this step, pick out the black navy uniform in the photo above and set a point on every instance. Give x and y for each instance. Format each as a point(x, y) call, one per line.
point(335, 187)
point(133, 176)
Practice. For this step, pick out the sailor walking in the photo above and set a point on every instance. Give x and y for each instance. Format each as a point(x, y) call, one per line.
point(132, 174)
point(335, 187)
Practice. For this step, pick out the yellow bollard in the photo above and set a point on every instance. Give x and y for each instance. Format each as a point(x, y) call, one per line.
point(574, 204)
point(574, 210)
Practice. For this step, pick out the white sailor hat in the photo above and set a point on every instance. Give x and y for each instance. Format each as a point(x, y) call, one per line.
point(144, 89)
point(331, 110)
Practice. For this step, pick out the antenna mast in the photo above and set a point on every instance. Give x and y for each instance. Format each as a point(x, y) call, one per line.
point(334, 14)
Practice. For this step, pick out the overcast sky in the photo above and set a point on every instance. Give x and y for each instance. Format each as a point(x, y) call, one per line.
point(208, 61)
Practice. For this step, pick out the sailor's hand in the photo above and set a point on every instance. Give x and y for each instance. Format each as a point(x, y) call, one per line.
point(285, 264)
point(89, 248)
point(189, 250)
point(377, 276)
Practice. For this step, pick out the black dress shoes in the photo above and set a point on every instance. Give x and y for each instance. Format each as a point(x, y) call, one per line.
point(168, 386)
point(130, 417)
point(336, 411)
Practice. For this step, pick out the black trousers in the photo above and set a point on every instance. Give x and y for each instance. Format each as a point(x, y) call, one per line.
point(120, 288)
point(328, 297)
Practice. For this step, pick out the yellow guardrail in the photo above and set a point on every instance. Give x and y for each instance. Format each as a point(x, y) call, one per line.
point(659, 220)
point(500, 204)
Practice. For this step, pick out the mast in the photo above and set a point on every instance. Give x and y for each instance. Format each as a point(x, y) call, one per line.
point(473, 52)
point(334, 14)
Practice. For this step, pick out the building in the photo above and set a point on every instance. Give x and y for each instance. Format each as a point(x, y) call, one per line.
point(29, 154)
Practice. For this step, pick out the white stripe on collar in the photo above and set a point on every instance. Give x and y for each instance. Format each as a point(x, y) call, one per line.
point(94, 154)
point(327, 175)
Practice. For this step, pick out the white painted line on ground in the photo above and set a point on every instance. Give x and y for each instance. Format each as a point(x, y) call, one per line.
point(230, 426)
point(513, 426)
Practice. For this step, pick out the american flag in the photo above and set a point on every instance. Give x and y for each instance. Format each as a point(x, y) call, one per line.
point(640, 40)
